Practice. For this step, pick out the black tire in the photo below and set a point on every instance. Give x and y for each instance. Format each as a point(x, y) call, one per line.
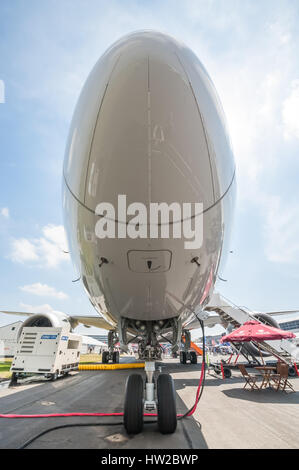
point(14, 379)
point(183, 357)
point(227, 373)
point(133, 410)
point(292, 371)
point(115, 357)
point(167, 418)
point(54, 376)
point(105, 357)
point(193, 357)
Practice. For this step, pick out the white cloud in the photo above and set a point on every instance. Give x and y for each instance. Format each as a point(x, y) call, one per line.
point(46, 251)
point(23, 250)
point(281, 32)
point(290, 112)
point(56, 234)
point(43, 290)
point(5, 212)
point(252, 93)
point(281, 231)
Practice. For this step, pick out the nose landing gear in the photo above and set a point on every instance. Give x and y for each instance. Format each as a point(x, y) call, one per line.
point(140, 398)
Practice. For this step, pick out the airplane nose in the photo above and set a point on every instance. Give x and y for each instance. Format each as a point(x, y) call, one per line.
point(148, 140)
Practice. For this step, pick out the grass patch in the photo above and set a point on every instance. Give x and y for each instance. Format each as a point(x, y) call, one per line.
point(5, 375)
point(90, 358)
point(4, 370)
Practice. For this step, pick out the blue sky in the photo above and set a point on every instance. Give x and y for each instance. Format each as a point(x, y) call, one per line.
point(250, 49)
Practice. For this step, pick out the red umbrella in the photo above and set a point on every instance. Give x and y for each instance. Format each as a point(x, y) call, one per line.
point(255, 331)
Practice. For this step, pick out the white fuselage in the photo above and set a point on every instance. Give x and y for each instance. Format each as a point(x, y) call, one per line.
point(148, 125)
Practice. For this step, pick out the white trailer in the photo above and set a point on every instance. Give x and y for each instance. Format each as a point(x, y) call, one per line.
point(50, 351)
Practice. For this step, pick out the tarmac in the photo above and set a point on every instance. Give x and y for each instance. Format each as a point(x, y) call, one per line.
point(227, 417)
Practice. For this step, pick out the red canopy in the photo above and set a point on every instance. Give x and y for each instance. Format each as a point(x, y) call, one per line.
point(255, 331)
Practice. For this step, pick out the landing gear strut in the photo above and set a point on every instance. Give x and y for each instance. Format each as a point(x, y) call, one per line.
point(111, 354)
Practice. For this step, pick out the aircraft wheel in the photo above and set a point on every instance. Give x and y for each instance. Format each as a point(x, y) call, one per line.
point(193, 357)
point(133, 411)
point(105, 357)
point(183, 357)
point(115, 357)
point(167, 418)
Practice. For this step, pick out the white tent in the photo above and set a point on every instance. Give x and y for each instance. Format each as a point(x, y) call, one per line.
point(89, 342)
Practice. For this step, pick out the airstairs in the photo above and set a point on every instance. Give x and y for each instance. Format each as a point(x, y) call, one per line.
point(234, 315)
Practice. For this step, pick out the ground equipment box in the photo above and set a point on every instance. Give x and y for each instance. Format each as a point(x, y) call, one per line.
point(46, 350)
